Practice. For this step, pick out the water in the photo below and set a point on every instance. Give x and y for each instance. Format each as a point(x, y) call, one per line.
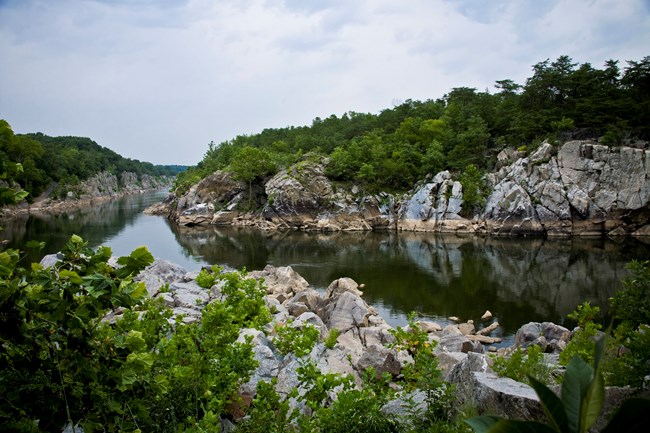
point(518, 280)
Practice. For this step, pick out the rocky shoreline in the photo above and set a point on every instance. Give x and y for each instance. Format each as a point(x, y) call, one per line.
point(580, 188)
point(363, 340)
point(100, 188)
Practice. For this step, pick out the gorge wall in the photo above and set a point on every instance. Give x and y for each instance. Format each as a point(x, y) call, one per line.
point(579, 188)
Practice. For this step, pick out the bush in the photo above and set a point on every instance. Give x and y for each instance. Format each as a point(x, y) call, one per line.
point(584, 338)
point(519, 365)
point(300, 341)
point(61, 362)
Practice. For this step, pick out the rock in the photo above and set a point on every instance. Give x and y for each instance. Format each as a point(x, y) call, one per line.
point(488, 329)
point(483, 339)
point(448, 360)
point(466, 328)
point(282, 280)
point(160, 273)
point(454, 319)
point(297, 308)
point(380, 358)
point(456, 343)
point(404, 407)
point(500, 396)
point(309, 318)
point(51, 260)
point(308, 297)
point(451, 330)
point(429, 326)
point(486, 316)
point(340, 286)
point(555, 336)
point(345, 312)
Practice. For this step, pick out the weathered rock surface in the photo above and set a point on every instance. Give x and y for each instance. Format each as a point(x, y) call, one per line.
point(579, 188)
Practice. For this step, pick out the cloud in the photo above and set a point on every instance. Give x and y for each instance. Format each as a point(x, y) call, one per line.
point(158, 80)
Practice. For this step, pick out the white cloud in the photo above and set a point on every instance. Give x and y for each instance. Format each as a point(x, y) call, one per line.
point(158, 80)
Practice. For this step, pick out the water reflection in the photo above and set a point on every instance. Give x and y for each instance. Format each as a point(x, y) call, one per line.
point(519, 280)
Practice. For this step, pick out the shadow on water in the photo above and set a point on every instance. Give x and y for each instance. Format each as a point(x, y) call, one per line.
point(518, 279)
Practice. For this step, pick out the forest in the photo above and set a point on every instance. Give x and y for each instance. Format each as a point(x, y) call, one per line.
point(46, 161)
point(399, 146)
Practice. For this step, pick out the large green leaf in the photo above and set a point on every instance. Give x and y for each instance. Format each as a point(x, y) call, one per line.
point(493, 424)
point(595, 398)
point(132, 264)
point(552, 405)
point(577, 380)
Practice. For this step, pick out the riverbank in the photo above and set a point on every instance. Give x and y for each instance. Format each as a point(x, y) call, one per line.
point(580, 188)
point(98, 189)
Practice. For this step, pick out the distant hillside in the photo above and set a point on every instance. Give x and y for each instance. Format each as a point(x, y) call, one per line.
point(50, 161)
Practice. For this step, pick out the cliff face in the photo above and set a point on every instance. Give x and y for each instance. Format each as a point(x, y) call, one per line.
point(580, 188)
point(106, 184)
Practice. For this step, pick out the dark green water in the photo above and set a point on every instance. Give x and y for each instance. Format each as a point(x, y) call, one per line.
point(519, 280)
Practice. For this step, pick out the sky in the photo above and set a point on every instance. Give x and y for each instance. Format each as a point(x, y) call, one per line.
point(158, 80)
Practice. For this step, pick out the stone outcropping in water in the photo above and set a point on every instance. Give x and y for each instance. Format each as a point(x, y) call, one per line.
point(580, 188)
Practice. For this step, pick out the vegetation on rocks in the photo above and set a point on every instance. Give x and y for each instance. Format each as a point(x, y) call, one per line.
point(394, 149)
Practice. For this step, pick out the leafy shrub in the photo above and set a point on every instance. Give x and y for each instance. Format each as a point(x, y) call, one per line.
point(584, 338)
point(520, 365)
point(632, 303)
point(300, 341)
point(330, 340)
point(61, 362)
point(207, 278)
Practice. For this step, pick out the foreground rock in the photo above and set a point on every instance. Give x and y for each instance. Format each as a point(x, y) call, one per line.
point(579, 188)
point(363, 341)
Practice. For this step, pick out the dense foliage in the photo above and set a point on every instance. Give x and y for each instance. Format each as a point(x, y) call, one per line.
point(399, 146)
point(47, 161)
point(62, 361)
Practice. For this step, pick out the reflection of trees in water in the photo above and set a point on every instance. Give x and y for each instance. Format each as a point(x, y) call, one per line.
point(518, 279)
point(95, 223)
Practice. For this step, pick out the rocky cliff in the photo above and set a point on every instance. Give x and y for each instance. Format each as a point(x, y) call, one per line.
point(579, 188)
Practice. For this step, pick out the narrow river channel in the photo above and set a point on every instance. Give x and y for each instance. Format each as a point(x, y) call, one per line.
point(518, 279)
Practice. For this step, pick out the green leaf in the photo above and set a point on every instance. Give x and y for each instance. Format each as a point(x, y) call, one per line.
point(595, 396)
point(482, 424)
point(577, 380)
point(552, 405)
point(141, 361)
point(134, 340)
point(139, 259)
point(35, 245)
point(632, 417)
point(76, 239)
point(493, 424)
point(70, 275)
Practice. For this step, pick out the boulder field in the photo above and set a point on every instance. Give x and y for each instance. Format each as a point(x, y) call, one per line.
point(364, 340)
point(580, 188)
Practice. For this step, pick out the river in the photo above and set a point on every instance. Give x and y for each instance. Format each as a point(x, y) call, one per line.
point(517, 279)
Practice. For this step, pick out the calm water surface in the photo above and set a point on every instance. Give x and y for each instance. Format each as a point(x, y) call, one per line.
point(519, 280)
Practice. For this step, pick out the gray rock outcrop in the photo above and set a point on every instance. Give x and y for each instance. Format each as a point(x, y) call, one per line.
point(579, 188)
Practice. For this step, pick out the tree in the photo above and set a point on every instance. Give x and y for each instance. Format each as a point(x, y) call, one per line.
point(251, 164)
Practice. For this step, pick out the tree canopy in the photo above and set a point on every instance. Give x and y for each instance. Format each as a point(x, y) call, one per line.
point(65, 160)
point(400, 145)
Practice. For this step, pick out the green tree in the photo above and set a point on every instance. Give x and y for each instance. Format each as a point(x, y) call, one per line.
point(251, 164)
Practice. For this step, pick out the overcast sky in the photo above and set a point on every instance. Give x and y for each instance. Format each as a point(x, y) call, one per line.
point(157, 80)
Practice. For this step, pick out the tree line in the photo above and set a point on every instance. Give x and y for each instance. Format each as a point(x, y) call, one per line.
point(46, 161)
point(398, 146)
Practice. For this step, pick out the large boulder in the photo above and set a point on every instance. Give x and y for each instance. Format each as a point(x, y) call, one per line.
point(297, 195)
point(435, 206)
point(549, 336)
